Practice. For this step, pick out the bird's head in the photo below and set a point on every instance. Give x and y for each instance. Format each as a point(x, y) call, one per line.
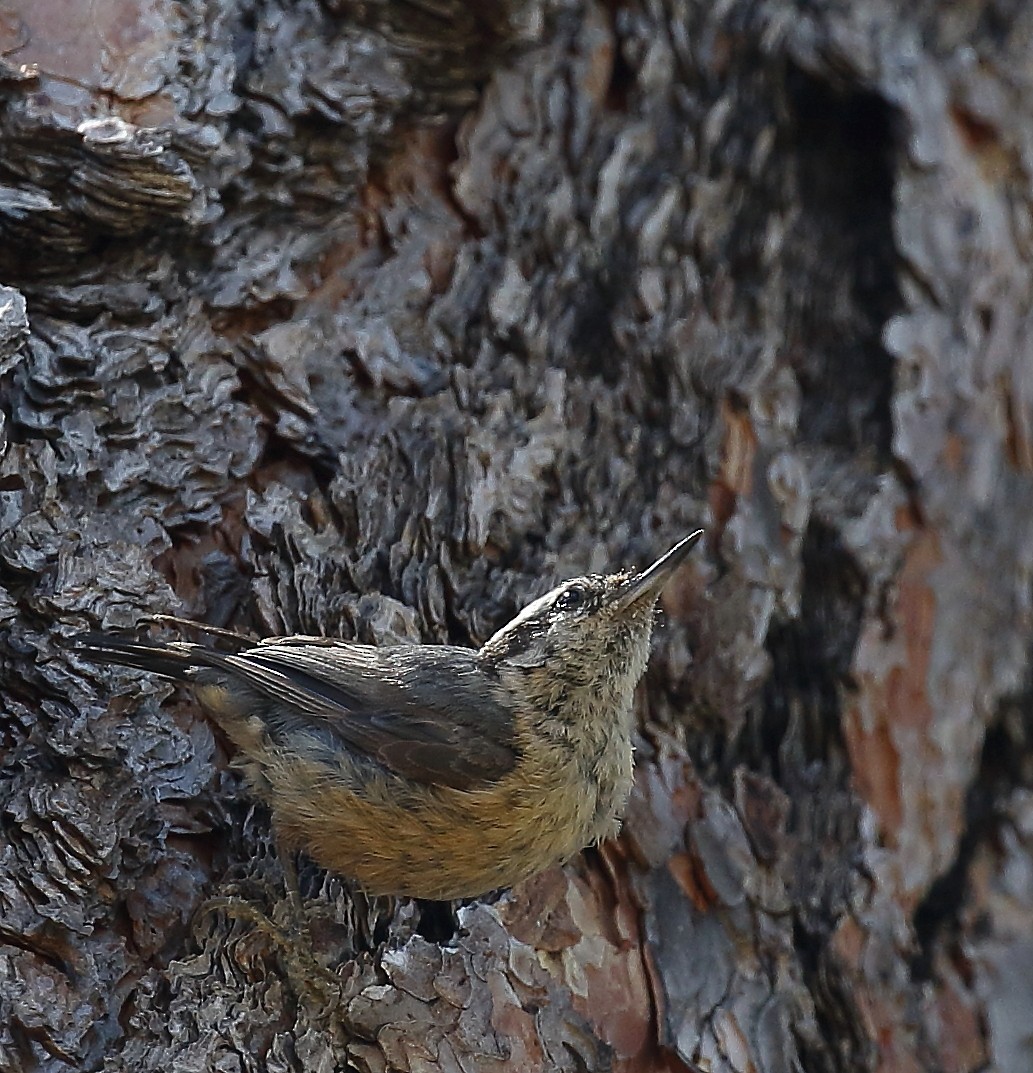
point(589, 626)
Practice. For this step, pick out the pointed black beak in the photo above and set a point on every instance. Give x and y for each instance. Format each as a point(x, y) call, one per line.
point(648, 583)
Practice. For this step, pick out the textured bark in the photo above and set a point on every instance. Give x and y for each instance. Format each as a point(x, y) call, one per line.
point(374, 320)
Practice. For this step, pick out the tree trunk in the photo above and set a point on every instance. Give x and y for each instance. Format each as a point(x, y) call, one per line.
point(374, 320)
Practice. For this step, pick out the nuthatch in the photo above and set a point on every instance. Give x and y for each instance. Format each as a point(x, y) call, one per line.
point(430, 770)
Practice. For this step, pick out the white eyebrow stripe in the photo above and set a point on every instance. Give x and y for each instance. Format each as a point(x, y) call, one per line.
point(532, 609)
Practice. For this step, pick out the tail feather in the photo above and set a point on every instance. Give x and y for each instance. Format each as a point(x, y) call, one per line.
point(173, 659)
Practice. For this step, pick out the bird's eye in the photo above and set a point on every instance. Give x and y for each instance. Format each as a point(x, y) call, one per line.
point(572, 598)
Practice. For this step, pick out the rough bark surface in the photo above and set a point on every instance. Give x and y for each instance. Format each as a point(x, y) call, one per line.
point(374, 320)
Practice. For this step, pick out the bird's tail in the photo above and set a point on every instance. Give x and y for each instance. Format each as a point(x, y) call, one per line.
point(172, 659)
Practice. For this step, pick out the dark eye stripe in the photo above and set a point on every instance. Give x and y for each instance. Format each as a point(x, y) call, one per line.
point(519, 639)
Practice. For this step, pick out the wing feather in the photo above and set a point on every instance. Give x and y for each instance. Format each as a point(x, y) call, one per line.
point(423, 713)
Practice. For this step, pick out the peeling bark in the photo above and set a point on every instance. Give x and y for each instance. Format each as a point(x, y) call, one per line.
point(374, 320)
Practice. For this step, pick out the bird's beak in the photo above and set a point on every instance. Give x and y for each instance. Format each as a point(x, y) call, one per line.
point(648, 583)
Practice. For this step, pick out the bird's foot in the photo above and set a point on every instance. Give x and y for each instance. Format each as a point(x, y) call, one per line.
point(305, 972)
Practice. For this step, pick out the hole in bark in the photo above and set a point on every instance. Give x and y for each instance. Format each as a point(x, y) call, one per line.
point(811, 656)
point(437, 922)
point(841, 260)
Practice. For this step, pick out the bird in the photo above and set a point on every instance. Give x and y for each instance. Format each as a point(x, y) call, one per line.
point(435, 771)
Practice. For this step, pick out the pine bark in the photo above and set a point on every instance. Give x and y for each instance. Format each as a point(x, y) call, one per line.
point(375, 320)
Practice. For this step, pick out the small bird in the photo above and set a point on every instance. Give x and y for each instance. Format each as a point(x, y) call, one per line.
point(435, 771)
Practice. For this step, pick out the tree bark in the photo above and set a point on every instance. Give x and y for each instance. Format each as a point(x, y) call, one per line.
point(375, 320)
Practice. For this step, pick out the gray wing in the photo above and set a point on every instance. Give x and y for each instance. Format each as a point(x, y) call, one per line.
point(427, 713)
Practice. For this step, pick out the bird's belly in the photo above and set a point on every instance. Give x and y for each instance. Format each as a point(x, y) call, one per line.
point(437, 842)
